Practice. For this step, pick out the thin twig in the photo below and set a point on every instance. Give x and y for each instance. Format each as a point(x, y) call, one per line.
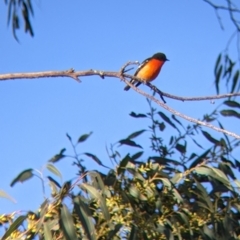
point(235, 22)
point(228, 8)
point(123, 69)
point(222, 7)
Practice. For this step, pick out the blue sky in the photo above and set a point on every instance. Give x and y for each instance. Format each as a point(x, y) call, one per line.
point(37, 114)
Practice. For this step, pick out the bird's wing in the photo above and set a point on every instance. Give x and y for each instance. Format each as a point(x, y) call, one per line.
point(141, 66)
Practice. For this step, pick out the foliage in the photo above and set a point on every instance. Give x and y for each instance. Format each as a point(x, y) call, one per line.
point(173, 192)
point(14, 15)
point(225, 71)
point(178, 191)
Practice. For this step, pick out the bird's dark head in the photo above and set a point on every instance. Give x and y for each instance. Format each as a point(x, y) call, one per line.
point(160, 57)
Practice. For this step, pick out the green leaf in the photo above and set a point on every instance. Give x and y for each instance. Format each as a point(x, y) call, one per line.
point(96, 180)
point(200, 159)
point(84, 137)
point(123, 164)
point(137, 155)
point(229, 64)
point(203, 170)
point(226, 169)
point(210, 138)
point(181, 148)
point(215, 174)
point(232, 104)
point(66, 223)
point(23, 176)
point(54, 181)
point(167, 119)
point(219, 175)
point(161, 126)
point(225, 135)
point(14, 226)
point(208, 118)
point(171, 140)
point(235, 80)
point(177, 195)
point(217, 78)
point(58, 156)
point(230, 113)
point(10, 6)
point(177, 177)
point(129, 143)
point(113, 232)
point(164, 161)
point(133, 233)
point(30, 7)
point(135, 134)
point(134, 191)
point(193, 155)
point(237, 182)
point(140, 115)
point(44, 208)
point(97, 196)
point(84, 215)
point(95, 158)
point(54, 170)
point(53, 185)
point(184, 218)
point(110, 179)
point(65, 189)
point(175, 119)
point(203, 195)
point(217, 64)
point(15, 25)
point(47, 231)
point(208, 232)
point(166, 182)
point(26, 17)
point(69, 137)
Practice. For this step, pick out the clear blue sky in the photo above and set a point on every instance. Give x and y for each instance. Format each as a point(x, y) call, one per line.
point(36, 114)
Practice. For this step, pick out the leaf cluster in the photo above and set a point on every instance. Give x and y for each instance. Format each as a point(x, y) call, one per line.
point(20, 10)
point(177, 188)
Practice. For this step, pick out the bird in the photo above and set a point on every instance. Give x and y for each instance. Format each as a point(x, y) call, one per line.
point(149, 69)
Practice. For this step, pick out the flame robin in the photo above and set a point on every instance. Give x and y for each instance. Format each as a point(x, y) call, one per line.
point(149, 69)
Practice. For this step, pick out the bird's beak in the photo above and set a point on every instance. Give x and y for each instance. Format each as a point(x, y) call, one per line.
point(167, 60)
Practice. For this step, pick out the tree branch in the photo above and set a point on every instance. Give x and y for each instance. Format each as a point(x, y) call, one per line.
point(121, 75)
point(190, 119)
point(228, 8)
point(75, 75)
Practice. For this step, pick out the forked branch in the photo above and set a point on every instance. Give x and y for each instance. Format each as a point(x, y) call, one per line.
point(126, 77)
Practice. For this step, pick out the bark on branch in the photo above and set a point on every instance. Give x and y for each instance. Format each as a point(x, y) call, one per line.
point(126, 77)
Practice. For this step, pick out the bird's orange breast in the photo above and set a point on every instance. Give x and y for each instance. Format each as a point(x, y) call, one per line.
point(150, 70)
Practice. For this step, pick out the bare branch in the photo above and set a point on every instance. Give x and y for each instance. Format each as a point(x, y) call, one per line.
point(75, 75)
point(235, 22)
point(161, 93)
point(221, 7)
point(190, 119)
point(121, 75)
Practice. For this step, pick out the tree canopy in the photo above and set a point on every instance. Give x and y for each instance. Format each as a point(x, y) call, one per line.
point(165, 190)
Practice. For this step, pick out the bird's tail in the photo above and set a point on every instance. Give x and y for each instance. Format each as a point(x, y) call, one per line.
point(127, 88)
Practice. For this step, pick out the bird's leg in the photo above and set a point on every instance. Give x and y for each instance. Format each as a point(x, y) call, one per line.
point(155, 89)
